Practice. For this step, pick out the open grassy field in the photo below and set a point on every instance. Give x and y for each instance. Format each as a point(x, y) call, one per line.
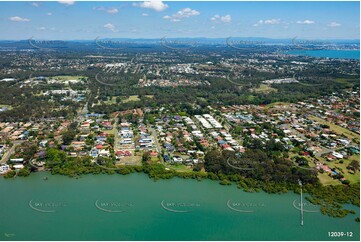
point(263, 88)
point(124, 99)
point(353, 178)
point(131, 160)
point(338, 129)
point(107, 131)
point(347, 80)
point(327, 180)
point(6, 106)
point(275, 104)
point(133, 98)
point(67, 78)
point(113, 100)
point(178, 168)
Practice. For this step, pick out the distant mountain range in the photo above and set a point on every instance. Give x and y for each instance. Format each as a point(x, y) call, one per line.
point(170, 43)
point(201, 40)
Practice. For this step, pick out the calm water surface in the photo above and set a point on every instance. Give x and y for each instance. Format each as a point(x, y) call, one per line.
point(133, 207)
point(339, 54)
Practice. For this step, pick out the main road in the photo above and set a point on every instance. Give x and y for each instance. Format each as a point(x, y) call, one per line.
point(11, 151)
point(155, 139)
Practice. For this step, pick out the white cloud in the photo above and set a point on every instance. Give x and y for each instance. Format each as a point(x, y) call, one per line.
point(333, 24)
point(258, 23)
point(268, 21)
point(154, 5)
point(49, 14)
point(35, 5)
point(145, 14)
point(225, 19)
point(66, 2)
point(110, 10)
point(306, 22)
point(111, 27)
point(45, 28)
point(19, 19)
point(184, 13)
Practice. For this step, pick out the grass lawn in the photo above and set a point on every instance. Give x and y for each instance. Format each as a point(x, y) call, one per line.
point(9, 107)
point(132, 160)
point(337, 129)
point(154, 159)
point(250, 98)
point(263, 88)
point(67, 78)
point(113, 100)
point(347, 80)
point(178, 168)
point(353, 178)
point(327, 180)
point(133, 98)
point(124, 99)
point(107, 131)
point(272, 105)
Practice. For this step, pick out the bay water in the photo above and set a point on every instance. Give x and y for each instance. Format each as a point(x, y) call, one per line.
point(134, 207)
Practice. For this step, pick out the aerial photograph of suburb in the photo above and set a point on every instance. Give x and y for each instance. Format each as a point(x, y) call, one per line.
point(180, 120)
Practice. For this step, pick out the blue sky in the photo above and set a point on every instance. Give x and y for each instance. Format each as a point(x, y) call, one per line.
point(67, 20)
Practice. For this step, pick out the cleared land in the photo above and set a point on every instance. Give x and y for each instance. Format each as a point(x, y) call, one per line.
point(263, 88)
point(133, 98)
point(67, 78)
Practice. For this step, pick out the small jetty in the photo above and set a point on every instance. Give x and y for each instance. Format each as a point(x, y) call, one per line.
point(300, 183)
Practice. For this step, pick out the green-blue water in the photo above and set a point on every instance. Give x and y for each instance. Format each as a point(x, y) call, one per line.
point(130, 208)
point(339, 54)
